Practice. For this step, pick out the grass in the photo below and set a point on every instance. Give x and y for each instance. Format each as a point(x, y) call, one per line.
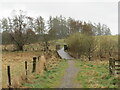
point(49, 79)
point(95, 74)
point(61, 41)
point(16, 61)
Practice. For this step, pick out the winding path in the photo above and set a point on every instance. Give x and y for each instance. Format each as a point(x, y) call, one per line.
point(71, 71)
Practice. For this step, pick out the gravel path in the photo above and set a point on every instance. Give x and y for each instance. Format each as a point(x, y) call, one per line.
point(69, 76)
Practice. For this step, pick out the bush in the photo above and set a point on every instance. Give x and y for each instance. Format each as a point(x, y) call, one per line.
point(81, 44)
point(107, 46)
point(92, 46)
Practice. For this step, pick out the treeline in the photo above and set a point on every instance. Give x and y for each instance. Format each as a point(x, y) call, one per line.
point(93, 47)
point(22, 29)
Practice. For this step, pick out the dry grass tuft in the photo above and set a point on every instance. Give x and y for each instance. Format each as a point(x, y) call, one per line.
point(18, 81)
point(41, 65)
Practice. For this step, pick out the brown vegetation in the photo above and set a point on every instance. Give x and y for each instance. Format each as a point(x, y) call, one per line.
point(92, 47)
point(16, 61)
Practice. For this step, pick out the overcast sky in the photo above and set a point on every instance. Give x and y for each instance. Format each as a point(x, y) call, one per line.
point(103, 12)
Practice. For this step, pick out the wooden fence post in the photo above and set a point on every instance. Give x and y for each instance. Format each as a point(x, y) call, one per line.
point(57, 47)
point(38, 58)
point(117, 67)
point(113, 66)
point(65, 47)
point(9, 76)
point(26, 69)
point(34, 64)
point(110, 64)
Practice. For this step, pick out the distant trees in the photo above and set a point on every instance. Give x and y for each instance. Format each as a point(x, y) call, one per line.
point(60, 27)
point(31, 36)
point(4, 24)
point(22, 29)
point(6, 38)
point(102, 29)
point(87, 28)
point(39, 25)
point(5, 34)
point(18, 30)
point(57, 27)
point(74, 25)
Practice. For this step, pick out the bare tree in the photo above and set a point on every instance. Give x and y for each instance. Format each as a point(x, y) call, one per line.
point(39, 25)
point(18, 29)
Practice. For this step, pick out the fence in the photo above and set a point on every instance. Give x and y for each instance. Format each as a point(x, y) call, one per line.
point(34, 67)
point(114, 66)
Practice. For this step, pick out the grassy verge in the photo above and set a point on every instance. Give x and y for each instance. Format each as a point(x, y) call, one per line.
point(16, 60)
point(49, 79)
point(95, 74)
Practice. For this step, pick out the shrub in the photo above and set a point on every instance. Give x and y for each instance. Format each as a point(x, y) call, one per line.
point(92, 46)
point(81, 44)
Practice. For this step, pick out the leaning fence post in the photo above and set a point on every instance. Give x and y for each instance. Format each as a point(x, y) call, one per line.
point(9, 76)
point(34, 64)
point(26, 69)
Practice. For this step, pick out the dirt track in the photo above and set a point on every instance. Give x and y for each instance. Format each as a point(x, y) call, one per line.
point(68, 79)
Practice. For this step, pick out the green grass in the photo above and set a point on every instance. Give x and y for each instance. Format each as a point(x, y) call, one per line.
point(61, 41)
point(94, 74)
point(50, 79)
